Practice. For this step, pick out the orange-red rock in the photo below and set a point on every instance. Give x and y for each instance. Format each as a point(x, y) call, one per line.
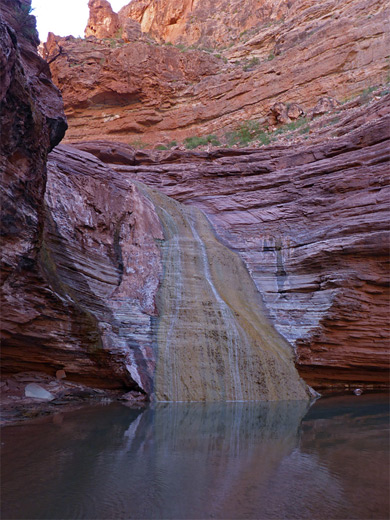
point(102, 22)
point(143, 93)
point(81, 265)
point(206, 23)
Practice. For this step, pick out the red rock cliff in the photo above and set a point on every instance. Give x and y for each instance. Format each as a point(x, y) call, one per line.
point(206, 23)
point(145, 93)
point(103, 22)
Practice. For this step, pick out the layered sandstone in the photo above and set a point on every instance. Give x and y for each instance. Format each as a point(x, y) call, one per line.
point(103, 276)
point(311, 223)
point(143, 93)
point(140, 266)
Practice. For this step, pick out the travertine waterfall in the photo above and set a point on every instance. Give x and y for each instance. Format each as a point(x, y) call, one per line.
point(213, 339)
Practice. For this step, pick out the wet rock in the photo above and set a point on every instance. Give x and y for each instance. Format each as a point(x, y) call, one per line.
point(134, 397)
point(311, 223)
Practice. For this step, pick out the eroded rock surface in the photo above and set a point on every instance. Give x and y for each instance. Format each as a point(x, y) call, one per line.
point(32, 122)
point(206, 23)
point(103, 277)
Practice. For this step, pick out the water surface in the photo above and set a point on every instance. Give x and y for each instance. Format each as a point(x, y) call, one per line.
point(198, 461)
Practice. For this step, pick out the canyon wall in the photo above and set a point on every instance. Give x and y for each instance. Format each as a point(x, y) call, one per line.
point(98, 294)
point(45, 325)
point(190, 275)
point(311, 223)
point(32, 122)
point(143, 93)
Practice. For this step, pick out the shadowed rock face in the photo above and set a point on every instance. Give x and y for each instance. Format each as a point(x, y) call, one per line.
point(141, 92)
point(32, 122)
point(311, 223)
point(43, 327)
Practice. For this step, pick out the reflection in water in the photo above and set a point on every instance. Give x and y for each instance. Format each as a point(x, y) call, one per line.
point(179, 461)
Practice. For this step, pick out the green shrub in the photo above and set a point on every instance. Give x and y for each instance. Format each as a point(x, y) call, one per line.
point(271, 56)
point(251, 131)
point(264, 138)
point(166, 146)
point(181, 47)
point(252, 63)
point(294, 125)
point(138, 143)
point(194, 142)
point(245, 133)
point(119, 33)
